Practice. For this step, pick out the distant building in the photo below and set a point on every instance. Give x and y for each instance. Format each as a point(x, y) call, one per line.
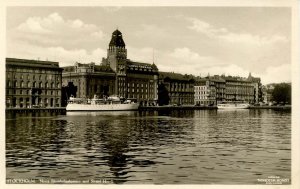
point(90, 79)
point(239, 89)
point(179, 88)
point(212, 90)
point(209, 91)
point(256, 82)
point(32, 83)
point(133, 79)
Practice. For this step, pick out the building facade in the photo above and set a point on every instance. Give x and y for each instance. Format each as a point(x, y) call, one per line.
point(209, 91)
point(135, 80)
point(212, 90)
point(258, 91)
point(179, 89)
point(32, 83)
point(90, 79)
point(239, 89)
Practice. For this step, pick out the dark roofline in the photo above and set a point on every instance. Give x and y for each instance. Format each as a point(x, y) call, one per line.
point(139, 63)
point(23, 63)
point(19, 60)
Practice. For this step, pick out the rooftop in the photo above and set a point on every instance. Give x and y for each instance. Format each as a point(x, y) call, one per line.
point(31, 63)
point(175, 76)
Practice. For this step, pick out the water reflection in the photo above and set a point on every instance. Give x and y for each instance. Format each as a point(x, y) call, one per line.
point(162, 147)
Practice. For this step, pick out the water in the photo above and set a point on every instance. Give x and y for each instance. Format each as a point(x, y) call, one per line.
point(175, 147)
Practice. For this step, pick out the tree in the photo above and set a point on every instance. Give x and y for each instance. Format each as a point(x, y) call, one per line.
point(282, 93)
point(163, 95)
point(67, 92)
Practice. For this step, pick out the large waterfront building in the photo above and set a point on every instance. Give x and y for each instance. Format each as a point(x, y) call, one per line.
point(116, 75)
point(176, 88)
point(32, 83)
point(238, 89)
point(216, 89)
point(209, 90)
point(90, 79)
point(135, 80)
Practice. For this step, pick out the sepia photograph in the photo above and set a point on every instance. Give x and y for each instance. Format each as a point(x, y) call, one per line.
point(149, 95)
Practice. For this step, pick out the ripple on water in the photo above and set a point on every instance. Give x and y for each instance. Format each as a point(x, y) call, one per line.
point(199, 147)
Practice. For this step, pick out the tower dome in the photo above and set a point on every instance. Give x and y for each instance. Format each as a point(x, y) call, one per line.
point(117, 39)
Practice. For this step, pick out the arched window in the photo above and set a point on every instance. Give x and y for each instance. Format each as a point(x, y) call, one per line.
point(34, 84)
point(52, 85)
point(40, 85)
point(46, 85)
point(15, 84)
point(58, 85)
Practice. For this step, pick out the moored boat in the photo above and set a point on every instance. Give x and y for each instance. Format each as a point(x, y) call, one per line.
point(233, 105)
point(113, 103)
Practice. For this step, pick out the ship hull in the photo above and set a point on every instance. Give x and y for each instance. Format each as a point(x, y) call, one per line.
point(102, 107)
point(233, 106)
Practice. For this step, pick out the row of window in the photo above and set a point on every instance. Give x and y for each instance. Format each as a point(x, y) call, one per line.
point(29, 92)
point(29, 102)
point(140, 96)
point(200, 87)
point(34, 77)
point(34, 84)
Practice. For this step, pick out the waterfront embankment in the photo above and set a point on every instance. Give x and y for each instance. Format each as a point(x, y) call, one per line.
point(148, 108)
point(20, 110)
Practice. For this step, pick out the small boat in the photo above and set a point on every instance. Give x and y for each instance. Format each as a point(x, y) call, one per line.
point(233, 105)
point(112, 103)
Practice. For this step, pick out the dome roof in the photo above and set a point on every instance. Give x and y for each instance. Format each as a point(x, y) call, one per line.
point(117, 39)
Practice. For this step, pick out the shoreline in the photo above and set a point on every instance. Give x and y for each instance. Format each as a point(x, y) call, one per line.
point(145, 108)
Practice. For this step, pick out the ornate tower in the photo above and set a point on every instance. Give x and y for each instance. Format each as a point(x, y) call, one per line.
point(117, 52)
point(116, 58)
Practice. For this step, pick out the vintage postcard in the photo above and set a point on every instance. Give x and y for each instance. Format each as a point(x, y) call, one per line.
point(149, 94)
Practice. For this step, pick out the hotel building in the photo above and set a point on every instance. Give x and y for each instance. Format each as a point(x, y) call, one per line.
point(32, 83)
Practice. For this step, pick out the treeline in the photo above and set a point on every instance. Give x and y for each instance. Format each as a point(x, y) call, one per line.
point(282, 93)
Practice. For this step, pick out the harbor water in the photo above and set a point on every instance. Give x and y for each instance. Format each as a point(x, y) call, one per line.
point(150, 147)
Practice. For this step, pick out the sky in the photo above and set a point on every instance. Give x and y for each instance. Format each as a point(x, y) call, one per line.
point(188, 40)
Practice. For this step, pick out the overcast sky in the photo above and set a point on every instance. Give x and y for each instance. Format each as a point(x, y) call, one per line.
point(192, 40)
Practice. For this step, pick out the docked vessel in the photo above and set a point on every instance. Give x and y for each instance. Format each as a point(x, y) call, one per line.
point(113, 103)
point(233, 105)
